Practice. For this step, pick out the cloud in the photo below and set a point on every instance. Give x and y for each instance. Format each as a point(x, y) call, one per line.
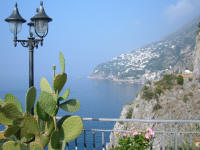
point(182, 10)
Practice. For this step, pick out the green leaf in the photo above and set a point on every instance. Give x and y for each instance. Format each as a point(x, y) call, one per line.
point(47, 103)
point(41, 125)
point(4, 120)
point(65, 95)
point(11, 111)
point(25, 137)
point(11, 145)
point(45, 86)
point(2, 141)
point(12, 99)
point(72, 128)
point(60, 121)
point(35, 146)
point(1, 102)
point(71, 105)
point(59, 82)
point(11, 130)
point(50, 148)
point(41, 113)
point(30, 99)
point(56, 139)
point(29, 125)
point(62, 62)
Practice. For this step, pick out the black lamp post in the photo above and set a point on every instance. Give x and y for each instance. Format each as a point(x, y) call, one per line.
point(38, 27)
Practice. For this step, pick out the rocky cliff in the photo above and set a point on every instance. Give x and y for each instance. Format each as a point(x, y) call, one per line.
point(169, 98)
point(196, 62)
point(176, 102)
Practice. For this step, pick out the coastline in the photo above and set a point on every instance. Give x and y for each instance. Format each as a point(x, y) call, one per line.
point(127, 81)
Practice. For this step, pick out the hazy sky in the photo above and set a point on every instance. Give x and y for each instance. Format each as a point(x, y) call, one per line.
point(88, 32)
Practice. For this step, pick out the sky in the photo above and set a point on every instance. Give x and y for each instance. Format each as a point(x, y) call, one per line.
point(88, 32)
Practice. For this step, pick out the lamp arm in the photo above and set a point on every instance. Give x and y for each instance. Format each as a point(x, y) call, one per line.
point(24, 43)
point(37, 41)
point(27, 43)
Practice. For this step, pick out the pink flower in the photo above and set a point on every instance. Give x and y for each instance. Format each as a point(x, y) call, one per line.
point(147, 136)
point(135, 133)
point(151, 131)
point(124, 135)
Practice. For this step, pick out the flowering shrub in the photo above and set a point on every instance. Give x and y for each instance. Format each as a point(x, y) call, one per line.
point(136, 140)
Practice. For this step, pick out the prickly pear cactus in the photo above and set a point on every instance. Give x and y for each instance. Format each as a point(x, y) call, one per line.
point(25, 131)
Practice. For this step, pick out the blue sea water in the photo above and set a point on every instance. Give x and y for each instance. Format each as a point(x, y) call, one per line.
point(98, 98)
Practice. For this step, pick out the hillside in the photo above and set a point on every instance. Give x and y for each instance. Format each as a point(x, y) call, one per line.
point(173, 97)
point(172, 53)
point(164, 99)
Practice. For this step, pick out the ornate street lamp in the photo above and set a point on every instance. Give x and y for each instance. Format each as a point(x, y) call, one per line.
point(38, 27)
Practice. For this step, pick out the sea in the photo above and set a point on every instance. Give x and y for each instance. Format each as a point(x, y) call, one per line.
point(98, 98)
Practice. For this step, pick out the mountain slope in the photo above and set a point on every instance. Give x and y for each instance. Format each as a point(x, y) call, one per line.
point(173, 53)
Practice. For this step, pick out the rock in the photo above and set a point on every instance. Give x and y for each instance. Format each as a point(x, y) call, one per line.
point(196, 63)
point(179, 102)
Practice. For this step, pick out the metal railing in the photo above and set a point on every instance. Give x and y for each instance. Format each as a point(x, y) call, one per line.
point(174, 138)
point(170, 134)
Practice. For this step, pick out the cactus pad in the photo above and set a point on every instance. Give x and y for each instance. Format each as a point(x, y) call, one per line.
point(71, 105)
point(72, 128)
point(50, 148)
point(4, 120)
point(35, 146)
point(59, 82)
point(48, 103)
point(11, 130)
point(41, 125)
point(65, 95)
point(12, 99)
point(29, 125)
point(30, 99)
point(41, 113)
point(11, 145)
point(10, 111)
point(1, 102)
point(62, 62)
point(56, 139)
point(45, 86)
point(25, 138)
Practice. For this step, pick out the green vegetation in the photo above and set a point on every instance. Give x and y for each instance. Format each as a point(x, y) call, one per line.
point(180, 80)
point(121, 122)
point(129, 114)
point(154, 91)
point(167, 82)
point(185, 98)
point(158, 91)
point(27, 132)
point(191, 94)
point(129, 103)
point(190, 79)
point(137, 95)
point(157, 107)
point(137, 105)
point(147, 93)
